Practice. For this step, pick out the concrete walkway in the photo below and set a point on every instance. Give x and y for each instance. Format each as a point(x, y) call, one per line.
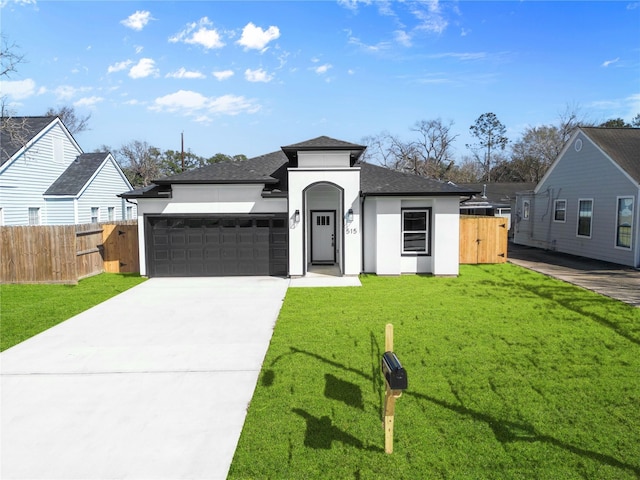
point(151, 384)
point(610, 279)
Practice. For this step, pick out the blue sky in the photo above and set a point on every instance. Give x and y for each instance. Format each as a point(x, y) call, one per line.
point(241, 77)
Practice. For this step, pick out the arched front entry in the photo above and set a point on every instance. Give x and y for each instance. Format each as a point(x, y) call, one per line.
point(323, 237)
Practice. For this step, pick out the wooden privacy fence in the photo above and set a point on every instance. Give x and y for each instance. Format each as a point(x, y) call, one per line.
point(67, 253)
point(483, 239)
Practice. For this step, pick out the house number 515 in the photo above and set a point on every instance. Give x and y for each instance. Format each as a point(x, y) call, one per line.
point(352, 231)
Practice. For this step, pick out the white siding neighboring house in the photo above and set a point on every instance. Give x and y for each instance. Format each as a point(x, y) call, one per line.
point(587, 204)
point(46, 179)
point(309, 205)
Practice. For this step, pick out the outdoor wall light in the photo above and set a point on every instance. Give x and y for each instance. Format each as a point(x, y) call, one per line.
point(350, 215)
point(296, 216)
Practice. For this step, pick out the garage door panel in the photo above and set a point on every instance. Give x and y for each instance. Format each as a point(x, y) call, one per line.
point(215, 246)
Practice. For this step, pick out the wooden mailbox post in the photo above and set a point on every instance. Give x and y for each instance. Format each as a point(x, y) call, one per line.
point(396, 382)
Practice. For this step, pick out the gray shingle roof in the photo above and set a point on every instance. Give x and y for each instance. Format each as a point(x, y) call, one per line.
point(495, 194)
point(254, 170)
point(76, 176)
point(621, 144)
point(376, 180)
point(323, 143)
point(271, 170)
point(17, 132)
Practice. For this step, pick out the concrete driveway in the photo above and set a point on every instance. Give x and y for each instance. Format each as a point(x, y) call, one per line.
point(610, 279)
point(151, 384)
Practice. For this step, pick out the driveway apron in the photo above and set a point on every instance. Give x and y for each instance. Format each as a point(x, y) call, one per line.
point(151, 384)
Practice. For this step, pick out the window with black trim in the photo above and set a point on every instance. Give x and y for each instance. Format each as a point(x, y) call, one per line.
point(415, 231)
point(585, 216)
point(560, 211)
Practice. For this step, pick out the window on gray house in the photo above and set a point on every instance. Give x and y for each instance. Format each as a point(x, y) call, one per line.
point(129, 213)
point(34, 216)
point(526, 207)
point(415, 231)
point(560, 211)
point(585, 215)
point(624, 222)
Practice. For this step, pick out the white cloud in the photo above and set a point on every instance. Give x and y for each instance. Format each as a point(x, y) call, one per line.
point(118, 66)
point(322, 69)
point(144, 68)
point(184, 73)
point(223, 74)
point(88, 101)
point(138, 20)
point(195, 104)
point(255, 38)
point(66, 92)
point(258, 75)
point(403, 38)
point(197, 33)
point(19, 89)
point(610, 62)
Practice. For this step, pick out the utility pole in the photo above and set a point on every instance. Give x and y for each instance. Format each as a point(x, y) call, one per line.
point(182, 149)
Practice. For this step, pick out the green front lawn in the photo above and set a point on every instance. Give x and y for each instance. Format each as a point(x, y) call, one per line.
point(512, 375)
point(26, 310)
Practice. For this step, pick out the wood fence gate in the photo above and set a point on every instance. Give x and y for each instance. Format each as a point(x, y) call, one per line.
point(67, 253)
point(483, 239)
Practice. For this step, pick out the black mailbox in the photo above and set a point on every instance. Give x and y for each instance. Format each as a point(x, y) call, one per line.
point(395, 375)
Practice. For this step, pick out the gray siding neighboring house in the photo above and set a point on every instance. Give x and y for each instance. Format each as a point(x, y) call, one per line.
point(46, 179)
point(587, 204)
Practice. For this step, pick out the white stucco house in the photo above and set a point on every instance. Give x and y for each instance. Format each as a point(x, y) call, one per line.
point(307, 204)
point(46, 178)
point(587, 204)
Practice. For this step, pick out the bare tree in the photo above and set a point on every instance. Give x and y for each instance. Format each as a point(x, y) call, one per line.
point(13, 131)
point(140, 162)
point(73, 122)
point(9, 57)
point(434, 147)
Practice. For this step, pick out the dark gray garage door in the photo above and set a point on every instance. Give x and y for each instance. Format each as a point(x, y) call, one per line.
point(216, 246)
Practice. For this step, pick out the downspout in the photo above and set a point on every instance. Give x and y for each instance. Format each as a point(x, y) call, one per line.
point(363, 198)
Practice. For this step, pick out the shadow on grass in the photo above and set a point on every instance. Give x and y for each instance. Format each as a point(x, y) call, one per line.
point(343, 391)
point(562, 296)
point(321, 433)
point(504, 431)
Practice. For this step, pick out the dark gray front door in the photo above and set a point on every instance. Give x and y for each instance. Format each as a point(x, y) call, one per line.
point(216, 246)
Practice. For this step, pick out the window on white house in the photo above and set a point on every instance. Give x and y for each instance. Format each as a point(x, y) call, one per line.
point(1, 217)
point(415, 231)
point(624, 222)
point(95, 214)
point(585, 216)
point(560, 211)
point(129, 213)
point(526, 207)
point(34, 216)
point(111, 213)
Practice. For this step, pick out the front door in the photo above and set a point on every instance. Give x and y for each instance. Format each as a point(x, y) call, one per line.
point(323, 236)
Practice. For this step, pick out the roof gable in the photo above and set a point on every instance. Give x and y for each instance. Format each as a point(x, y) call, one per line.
point(76, 176)
point(17, 132)
point(322, 143)
point(622, 145)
